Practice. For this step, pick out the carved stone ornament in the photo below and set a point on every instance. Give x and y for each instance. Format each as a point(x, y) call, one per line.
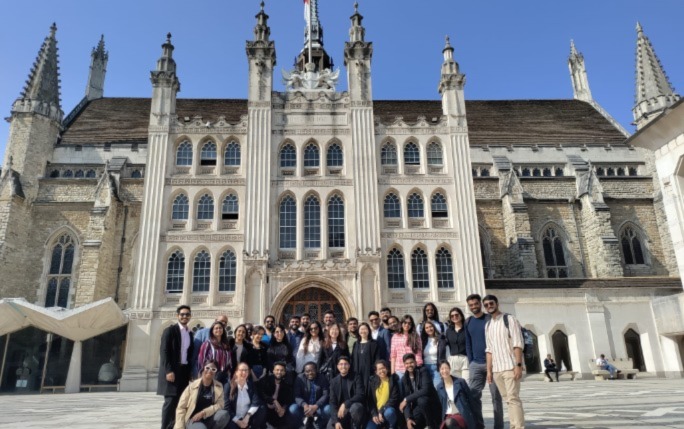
point(311, 80)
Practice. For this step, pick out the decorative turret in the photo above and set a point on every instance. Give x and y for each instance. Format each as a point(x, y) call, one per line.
point(262, 59)
point(578, 75)
point(42, 91)
point(165, 86)
point(654, 93)
point(98, 69)
point(451, 84)
point(357, 58)
point(313, 51)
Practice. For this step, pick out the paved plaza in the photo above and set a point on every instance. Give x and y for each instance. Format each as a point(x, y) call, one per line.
point(645, 403)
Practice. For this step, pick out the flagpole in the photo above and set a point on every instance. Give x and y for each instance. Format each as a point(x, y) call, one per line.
point(310, 36)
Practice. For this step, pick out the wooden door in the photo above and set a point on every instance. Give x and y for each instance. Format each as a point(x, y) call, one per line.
point(314, 301)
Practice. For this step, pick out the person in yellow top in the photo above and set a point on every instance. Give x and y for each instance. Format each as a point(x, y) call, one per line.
point(201, 404)
point(383, 397)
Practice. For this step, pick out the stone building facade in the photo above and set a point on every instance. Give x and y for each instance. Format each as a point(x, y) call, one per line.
point(315, 198)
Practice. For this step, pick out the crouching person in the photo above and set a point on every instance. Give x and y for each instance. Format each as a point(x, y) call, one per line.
point(243, 403)
point(311, 398)
point(421, 406)
point(383, 397)
point(201, 404)
point(346, 398)
point(277, 393)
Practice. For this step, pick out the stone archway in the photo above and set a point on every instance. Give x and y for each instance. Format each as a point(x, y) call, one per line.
point(314, 296)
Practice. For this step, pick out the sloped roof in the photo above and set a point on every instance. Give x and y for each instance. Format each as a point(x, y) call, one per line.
point(504, 122)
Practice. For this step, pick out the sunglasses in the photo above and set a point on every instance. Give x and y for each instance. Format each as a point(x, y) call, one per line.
point(373, 320)
point(210, 368)
point(489, 304)
point(406, 322)
point(454, 315)
point(184, 314)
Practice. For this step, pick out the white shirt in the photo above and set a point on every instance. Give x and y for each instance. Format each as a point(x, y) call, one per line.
point(501, 341)
point(311, 354)
point(451, 404)
point(374, 333)
point(185, 343)
point(430, 352)
point(243, 403)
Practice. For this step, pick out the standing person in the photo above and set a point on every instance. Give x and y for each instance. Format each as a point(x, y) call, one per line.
point(550, 366)
point(243, 403)
point(383, 396)
point(294, 335)
point(352, 332)
point(385, 314)
point(394, 325)
point(434, 349)
point(456, 400)
point(174, 367)
point(365, 354)
point(346, 398)
point(379, 334)
point(334, 346)
point(258, 355)
point(328, 319)
point(198, 339)
point(431, 313)
point(505, 358)
point(201, 404)
point(241, 347)
point(310, 347)
point(279, 349)
point(269, 325)
point(217, 348)
point(421, 404)
point(407, 341)
point(475, 349)
point(456, 340)
point(305, 321)
point(311, 397)
point(278, 395)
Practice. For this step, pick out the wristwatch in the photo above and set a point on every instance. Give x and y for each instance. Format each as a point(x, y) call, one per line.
point(518, 364)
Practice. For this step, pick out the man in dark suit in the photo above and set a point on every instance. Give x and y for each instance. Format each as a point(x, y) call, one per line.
point(311, 397)
point(277, 392)
point(346, 398)
point(174, 366)
point(421, 404)
point(380, 334)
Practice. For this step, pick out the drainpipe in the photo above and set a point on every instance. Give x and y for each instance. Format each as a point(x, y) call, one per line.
point(121, 253)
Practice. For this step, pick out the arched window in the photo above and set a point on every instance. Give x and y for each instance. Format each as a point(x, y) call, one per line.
point(59, 276)
point(288, 156)
point(445, 268)
point(434, 154)
point(632, 251)
point(388, 154)
point(419, 267)
point(335, 222)
point(205, 208)
point(620, 171)
point(79, 174)
point(230, 208)
point(68, 174)
point(335, 156)
point(439, 206)
point(288, 223)
point(526, 172)
point(536, 172)
point(610, 171)
point(484, 172)
point(312, 223)
point(54, 174)
point(201, 272)
point(175, 272)
point(90, 174)
point(600, 171)
point(559, 172)
point(312, 157)
point(396, 279)
point(633, 171)
point(231, 157)
point(208, 154)
point(554, 256)
point(411, 154)
point(184, 154)
point(392, 207)
point(136, 174)
point(547, 172)
point(227, 272)
point(415, 206)
point(181, 208)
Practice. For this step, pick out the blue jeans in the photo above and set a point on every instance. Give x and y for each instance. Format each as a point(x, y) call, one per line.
point(434, 372)
point(610, 368)
point(323, 415)
point(390, 416)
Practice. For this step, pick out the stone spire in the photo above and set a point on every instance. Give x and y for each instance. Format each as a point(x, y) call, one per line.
point(357, 33)
point(578, 75)
point(451, 84)
point(262, 32)
point(165, 86)
point(41, 94)
point(98, 69)
point(654, 93)
point(319, 57)
point(316, 29)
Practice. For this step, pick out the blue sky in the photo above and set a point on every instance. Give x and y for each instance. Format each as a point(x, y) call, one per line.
point(507, 49)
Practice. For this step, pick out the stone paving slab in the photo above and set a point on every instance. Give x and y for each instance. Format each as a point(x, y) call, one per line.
point(646, 403)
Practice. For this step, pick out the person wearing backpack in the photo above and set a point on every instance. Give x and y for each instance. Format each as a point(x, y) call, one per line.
point(504, 350)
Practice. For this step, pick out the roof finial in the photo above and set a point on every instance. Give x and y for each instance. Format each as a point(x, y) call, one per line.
point(262, 6)
point(356, 7)
point(53, 29)
point(573, 50)
point(168, 37)
point(448, 41)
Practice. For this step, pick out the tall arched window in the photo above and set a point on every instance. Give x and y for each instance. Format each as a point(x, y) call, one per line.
point(230, 208)
point(419, 267)
point(632, 251)
point(208, 154)
point(184, 154)
point(312, 223)
point(201, 272)
point(312, 157)
point(231, 156)
point(227, 272)
point(288, 156)
point(59, 276)
point(288, 223)
point(434, 154)
point(336, 222)
point(411, 154)
point(205, 208)
point(392, 207)
point(415, 206)
point(439, 206)
point(445, 268)
point(554, 256)
point(181, 208)
point(388, 154)
point(335, 156)
point(175, 272)
point(396, 279)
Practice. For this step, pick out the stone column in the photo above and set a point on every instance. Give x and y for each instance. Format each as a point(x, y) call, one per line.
point(73, 381)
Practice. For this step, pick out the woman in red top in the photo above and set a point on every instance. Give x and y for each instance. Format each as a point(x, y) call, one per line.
point(218, 349)
point(406, 341)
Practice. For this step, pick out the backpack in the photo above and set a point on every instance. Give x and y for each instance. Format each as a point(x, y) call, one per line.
point(527, 336)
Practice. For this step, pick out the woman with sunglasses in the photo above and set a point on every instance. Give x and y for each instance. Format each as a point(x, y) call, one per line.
point(243, 403)
point(403, 342)
point(218, 349)
point(364, 354)
point(279, 349)
point(456, 341)
point(310, 347)
point(201, 404)
point(455, 396)
point(334, 346)
point(434, 349)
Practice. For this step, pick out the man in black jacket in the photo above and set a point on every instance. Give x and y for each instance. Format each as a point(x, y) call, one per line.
point(311, 397)
point(421, 407)
point(278, 395)
point(550, 366)
point(346, 398)
point(174, 367)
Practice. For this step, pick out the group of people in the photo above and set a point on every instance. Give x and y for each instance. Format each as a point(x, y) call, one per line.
point(385, 372)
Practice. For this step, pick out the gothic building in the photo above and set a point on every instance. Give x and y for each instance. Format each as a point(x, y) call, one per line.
point(318, 198)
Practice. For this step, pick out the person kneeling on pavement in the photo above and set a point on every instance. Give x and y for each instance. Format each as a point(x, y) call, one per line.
point(311, 398)
point(346, 398)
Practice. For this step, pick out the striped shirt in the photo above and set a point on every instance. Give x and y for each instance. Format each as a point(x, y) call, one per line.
point(501, 341)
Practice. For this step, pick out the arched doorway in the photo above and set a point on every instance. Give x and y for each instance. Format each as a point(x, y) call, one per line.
point(633, 345)
point(532, 360)
point(315, 301)
point(561, 349)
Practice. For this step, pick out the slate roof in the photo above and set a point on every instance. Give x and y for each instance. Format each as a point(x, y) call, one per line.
point(505, 122)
